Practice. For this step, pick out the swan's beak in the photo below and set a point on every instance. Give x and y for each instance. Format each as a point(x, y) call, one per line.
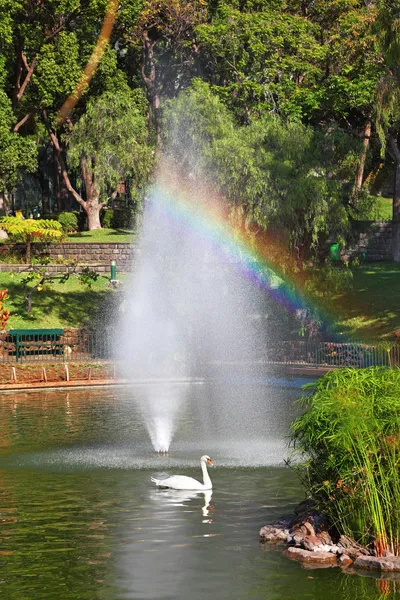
point(210, 462)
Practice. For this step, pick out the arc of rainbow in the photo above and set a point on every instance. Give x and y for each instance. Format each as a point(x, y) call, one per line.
point(253, 262)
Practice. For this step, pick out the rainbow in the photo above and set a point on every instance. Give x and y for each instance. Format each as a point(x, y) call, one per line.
point(206, 213)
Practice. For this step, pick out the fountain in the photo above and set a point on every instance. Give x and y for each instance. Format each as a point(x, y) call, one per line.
point(187, 307)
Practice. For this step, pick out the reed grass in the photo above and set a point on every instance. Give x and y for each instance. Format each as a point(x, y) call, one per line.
point(348, 442)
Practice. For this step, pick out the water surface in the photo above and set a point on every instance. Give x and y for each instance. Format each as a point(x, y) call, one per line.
point(80, 519)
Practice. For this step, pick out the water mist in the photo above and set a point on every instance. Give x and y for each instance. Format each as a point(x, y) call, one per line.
point(187, 309)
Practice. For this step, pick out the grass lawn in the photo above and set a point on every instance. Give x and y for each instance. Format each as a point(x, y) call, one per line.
point(102, 236)
point(60, 305)
point(371, 310)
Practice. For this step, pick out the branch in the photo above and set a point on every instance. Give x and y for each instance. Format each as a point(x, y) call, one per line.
point(56, 145)
point(21, 122)
point(28, 76)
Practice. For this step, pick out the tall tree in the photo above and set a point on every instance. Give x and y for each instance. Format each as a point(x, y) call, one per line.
point(165, 33)
point(388, 102)
point(284, 176)
point(108, 144)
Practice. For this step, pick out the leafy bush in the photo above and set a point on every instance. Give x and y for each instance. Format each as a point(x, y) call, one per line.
point(329, 279)
point(348, 442)
point(123, 218)
point(107, 218)
point(69, 221)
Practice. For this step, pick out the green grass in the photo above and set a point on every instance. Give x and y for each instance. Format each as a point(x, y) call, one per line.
point(371, 309)
point(380, 210)
point(60, 305)
point(102, 236)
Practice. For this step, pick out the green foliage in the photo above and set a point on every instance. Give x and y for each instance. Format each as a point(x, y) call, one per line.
point(123, 218)
point(111, 138)
point(36, 279)
point(16, 153)
point(302, 62)
point(286, 175)
point(69, 221)
point(348, 442)
point(31, 230)
point(327, 280)
point(38, 229)
point(106, 218)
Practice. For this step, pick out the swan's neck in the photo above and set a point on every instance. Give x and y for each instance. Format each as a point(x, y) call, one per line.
point(206, 478)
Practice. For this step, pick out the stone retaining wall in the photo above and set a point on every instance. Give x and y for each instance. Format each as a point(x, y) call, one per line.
point(372, 237)
point(97, 256)
point(122, 253)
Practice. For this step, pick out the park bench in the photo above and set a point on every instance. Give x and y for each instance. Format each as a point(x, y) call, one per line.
point(36, 342)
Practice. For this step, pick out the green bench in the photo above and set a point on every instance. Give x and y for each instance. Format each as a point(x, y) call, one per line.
point(37, 342)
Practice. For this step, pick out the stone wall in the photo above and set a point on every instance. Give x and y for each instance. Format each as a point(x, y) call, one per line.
point(97, 256)
point(122, 253)
point(372, 237)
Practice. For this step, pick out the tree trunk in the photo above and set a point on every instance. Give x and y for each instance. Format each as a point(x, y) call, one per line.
point(93, 210)
point(28, 299)
point(149, 77)
point(28, 251)
point(395, 151)
point(361, 166)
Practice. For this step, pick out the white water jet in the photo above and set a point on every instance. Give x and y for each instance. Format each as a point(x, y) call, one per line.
point(186, 313)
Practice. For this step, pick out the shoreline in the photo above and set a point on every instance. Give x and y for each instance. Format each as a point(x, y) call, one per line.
point(289, 372)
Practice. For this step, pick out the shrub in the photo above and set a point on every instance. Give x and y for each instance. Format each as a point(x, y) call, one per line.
point(69, 221)
point(107, 218)
point(123, 218)
point(329, 279)
point(348, 442)
point(82, 220)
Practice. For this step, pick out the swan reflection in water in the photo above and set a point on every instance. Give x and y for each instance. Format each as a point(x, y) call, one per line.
point(179, 497)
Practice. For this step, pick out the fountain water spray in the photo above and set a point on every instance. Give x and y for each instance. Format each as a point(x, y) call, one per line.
point(186, 310)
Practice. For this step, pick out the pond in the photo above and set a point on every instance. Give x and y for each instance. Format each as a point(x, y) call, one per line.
point(80, 519)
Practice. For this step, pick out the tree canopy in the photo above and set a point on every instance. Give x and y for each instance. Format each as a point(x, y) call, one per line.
point(306, 93)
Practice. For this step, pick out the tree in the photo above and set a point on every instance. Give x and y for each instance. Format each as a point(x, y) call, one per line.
point(31, 230)
point(49, 53)
point(315, 62)
point(165, 32)
point(108, 144)
point(283, 175)
point(36, 278)
point(388, 102)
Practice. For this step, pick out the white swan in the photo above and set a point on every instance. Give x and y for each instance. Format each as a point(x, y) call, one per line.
point(181, 482)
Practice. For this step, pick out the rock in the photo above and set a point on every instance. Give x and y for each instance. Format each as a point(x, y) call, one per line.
point(382, 563)
point(345, 560)
point(310, 528)
point(311, 542)
point(273, 533)
point(351, 547)
point(325, 538)
point(317, 558)
point(3, 235)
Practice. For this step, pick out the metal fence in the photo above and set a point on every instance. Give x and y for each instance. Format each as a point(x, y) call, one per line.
point(83, 345)
point(55, 347)
point(333, 354)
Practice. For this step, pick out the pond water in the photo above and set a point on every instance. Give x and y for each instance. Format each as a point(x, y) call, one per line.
point(80, 519)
